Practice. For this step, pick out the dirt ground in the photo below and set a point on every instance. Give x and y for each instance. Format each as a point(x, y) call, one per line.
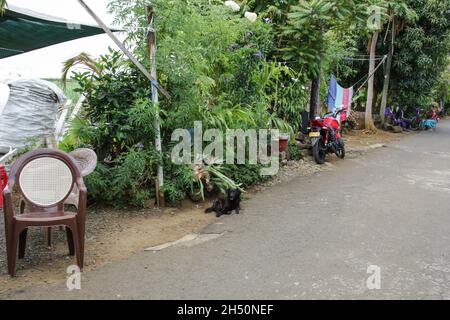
point(358, 140)
point(111, 235)
point(114, 235)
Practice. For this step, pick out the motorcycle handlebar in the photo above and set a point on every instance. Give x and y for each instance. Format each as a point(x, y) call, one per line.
point(336, 112)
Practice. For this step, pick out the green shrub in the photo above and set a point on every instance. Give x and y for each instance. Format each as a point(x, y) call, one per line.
point(129, 180)
point(295, 152)
point(218, 69)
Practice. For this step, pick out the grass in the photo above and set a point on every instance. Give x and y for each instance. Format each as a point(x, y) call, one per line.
point(69, 91)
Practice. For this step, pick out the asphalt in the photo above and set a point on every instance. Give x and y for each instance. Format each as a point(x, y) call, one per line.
point(311, 238)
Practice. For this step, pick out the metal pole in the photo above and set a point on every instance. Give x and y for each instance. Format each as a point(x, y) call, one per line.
point(154, 74)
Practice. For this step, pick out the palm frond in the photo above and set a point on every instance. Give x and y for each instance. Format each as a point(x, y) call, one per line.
point(3, 5)
point(83, 59)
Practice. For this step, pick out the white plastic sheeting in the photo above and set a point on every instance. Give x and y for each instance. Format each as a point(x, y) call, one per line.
point(4, 96)
point(31, 112)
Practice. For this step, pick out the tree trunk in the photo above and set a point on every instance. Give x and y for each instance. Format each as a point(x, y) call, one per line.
point(370, 94)
point(315, 86)
point(315, 96)
point(387, 77)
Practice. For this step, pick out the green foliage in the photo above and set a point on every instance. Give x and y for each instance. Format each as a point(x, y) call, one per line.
point(3, 5)
point(219, 177)
point(420, 51)
point(421, 55)
point(126, 181)
point(245, 175)
point(70, 89)
point(294, 152)
point(117, 122)
point(180, 179)
point(307, 24)
point(442, 90)
point(117, 113)
point(226, 72)
point(217, 67)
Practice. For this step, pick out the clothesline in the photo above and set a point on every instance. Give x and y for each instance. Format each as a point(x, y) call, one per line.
point(370, 75)
point(339, 96)
point(361, 59)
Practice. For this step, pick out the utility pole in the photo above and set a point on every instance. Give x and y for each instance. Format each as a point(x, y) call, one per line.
point(152, 51)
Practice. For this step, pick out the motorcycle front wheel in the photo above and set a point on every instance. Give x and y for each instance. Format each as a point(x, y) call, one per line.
point(319, 152)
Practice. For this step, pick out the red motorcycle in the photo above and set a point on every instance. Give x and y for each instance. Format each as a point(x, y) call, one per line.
point(325, 135)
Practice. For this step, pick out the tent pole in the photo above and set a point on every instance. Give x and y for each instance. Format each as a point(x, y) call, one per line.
point(123, 48)
point(152, 51)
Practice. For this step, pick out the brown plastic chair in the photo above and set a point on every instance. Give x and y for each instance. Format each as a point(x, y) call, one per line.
point(86, 160)
point(44, 178)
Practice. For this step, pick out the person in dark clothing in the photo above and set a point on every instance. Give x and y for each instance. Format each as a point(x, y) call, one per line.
point(400, 116)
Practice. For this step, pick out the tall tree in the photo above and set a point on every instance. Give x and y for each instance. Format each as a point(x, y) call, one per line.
point(421, 53)
point(377, 17)
point(420, 50)
point(305, 42)
point(399, 13)
point(369, 124)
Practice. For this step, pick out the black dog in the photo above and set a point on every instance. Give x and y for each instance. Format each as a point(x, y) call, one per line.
point(227, 206)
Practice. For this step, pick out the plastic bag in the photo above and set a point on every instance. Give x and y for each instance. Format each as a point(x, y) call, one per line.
point(31, 112)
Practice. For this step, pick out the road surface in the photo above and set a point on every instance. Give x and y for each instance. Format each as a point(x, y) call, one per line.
point(311, 238)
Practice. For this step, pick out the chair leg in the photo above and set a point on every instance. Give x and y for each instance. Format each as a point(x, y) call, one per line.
point(49, 236)
point(9, 237)
point(81, 236)
point(81, 239)
point(12, 256)
point(76, 242)
point(70, 241)
point(22, 243)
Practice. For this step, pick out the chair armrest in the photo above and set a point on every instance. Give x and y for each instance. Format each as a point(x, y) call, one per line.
point(80, 184)
point(7, 202)
point(82, 197)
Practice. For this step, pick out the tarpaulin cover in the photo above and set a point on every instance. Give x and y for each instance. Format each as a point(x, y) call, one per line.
point(31, 112)
point(4, 96)
point(23, 30)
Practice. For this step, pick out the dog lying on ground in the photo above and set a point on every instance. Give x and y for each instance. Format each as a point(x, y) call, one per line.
point(226, 206)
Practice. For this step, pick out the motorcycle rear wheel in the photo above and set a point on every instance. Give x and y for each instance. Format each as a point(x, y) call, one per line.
point(319, 152)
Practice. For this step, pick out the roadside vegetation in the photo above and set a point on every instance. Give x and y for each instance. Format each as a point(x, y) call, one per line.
point(229, 72)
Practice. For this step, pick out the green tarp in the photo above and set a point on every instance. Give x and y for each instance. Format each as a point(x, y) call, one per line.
point(22, 30)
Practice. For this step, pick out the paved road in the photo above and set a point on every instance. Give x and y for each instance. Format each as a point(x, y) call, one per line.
point(310, 238)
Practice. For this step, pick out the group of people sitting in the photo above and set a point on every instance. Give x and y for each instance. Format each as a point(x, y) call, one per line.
point(423, 121)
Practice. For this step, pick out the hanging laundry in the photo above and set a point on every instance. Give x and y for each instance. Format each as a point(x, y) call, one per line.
point(339, 96)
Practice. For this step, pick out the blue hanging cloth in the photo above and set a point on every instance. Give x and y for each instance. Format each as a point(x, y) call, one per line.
point(332, 92)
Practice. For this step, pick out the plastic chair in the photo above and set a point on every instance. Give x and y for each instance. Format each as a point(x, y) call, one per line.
point(86, 160)
point(44, 178)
